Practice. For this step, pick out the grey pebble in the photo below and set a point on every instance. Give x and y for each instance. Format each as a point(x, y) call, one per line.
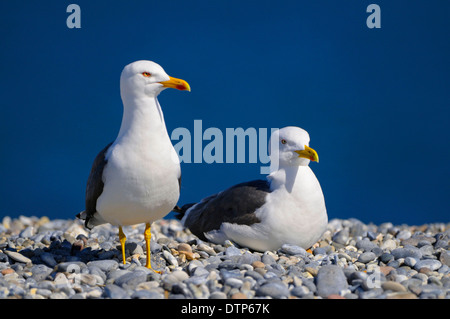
point(234, 282)
point(301, 291)
point(104, 265)
point(366, 257)
point(70, 267)
point(409, 251)
point(17, 257)
point(268, 259)
point(293, 250)
point(273, 289)
point(27, 232)
point(428, 263)
point(170, 258)
point(147, 294)
point(116, 273)
point(341, 237)
point(115, 292)
point(48, 259)
point(40, 272)
point(445, 257)
point(319, 251)
point(330, 280)
point(131, 280)
point(365, 244)
point(232, 251)
point(410, 261)
point(200, 271)
point(403, 234)
point(217, 295)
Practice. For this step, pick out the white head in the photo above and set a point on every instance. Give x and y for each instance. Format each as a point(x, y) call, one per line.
point(147, 78)
point(289, 146)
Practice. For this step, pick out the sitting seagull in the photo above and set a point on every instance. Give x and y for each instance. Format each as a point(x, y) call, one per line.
point(286, 208)
point(136, 179)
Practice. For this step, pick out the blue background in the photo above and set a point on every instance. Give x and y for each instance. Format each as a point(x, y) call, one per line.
point(375, 101)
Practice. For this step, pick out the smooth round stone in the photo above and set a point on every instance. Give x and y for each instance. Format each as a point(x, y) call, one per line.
point(389, 244)
point(386, 257)
point(184, 247)
point(407, 252)
point(293, 250)
point(427, 250)
point(365, 244)
point(410, 261)
point(17, 257)
point(180, 275)
point(275, 290)
point(431, 264)
point(170, 258)
point(267, 259)
point(40, 272)
point(319, 251)
point(234, 282)
point(48, 259)
point(300, 291)
point(341, 237)
point(147, 294)
point(232, 251)
point(444, 257)
point(217, 295)
point(366, 257)
point(330, 280)
point(200, 271)
point(131, 280)
point(115, 292)
point(403, 234)
point(394, 286)
point(104, 265)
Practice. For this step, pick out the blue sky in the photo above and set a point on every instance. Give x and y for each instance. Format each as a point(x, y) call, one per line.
point(375, 101)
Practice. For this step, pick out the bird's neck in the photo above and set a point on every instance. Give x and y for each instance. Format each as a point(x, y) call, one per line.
point(288, 177)
point(141, 115)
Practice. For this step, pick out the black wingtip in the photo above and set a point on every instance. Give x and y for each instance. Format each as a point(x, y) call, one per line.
point(181, 210)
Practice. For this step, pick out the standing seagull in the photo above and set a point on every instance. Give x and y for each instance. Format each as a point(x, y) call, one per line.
point(286, 208)
point(136, 179)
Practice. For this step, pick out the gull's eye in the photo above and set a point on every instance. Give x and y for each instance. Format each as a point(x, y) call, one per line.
point(146, 74)
point(283, 141)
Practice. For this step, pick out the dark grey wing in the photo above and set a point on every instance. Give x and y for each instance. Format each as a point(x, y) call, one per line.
point(94, 186)
point(235, 205)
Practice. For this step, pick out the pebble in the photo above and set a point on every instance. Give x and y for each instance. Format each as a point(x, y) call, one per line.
point(366, 257)
point(330, 280)
point(60, 259)
point(239, 295)
point(273, 289)
point(258, 264)
point(444, 258)
point(389, 244)
point(431, 264)
point(104, 265)
point(394, 286)
point(293, 250)
point(17, 257)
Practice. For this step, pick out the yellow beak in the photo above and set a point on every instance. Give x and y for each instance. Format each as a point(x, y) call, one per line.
point(308, 153)
point(178, 84)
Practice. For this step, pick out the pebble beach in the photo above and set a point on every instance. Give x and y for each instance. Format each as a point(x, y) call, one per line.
point(60, 259)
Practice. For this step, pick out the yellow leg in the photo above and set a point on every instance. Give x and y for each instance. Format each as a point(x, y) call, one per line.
point(148, 236)
point(122, 239)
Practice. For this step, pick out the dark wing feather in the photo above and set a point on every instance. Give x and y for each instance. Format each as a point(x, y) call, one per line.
point(234, 205)
point(95, 185)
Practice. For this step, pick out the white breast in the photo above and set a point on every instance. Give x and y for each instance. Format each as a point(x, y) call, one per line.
point(290, 216)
